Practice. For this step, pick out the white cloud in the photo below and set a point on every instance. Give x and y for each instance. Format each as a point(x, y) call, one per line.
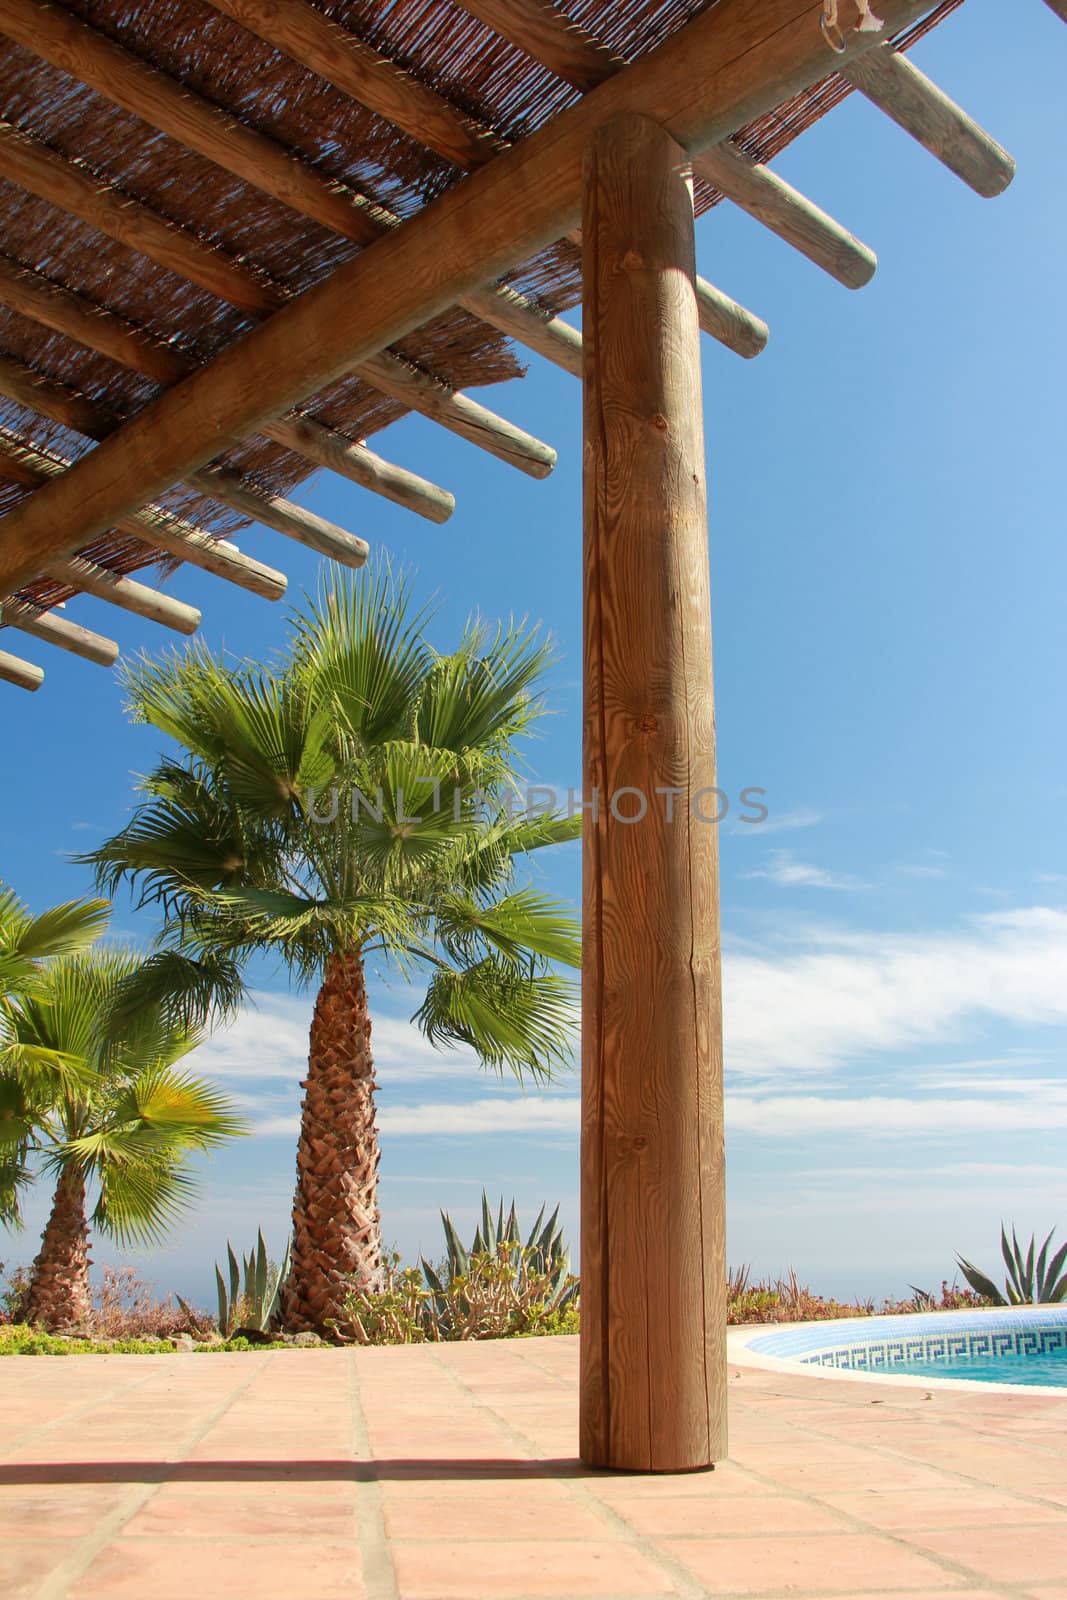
point(784, 870)
point(888, 1116)
point(270, 1040)
point(844, 994)
point(534, 1114)
point(787, 822)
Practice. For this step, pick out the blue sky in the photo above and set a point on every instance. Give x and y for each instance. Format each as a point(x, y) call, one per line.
point(888, 573)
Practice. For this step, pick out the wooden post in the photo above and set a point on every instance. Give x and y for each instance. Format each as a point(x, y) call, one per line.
point(653, 1373)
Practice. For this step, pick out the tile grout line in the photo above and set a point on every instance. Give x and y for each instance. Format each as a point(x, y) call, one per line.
point(890, 1453)
point(379, 1570)
point(856, 1523)
point(685, 1584)
point(57, 1584)
point(29, 1436)
point(975, 1580)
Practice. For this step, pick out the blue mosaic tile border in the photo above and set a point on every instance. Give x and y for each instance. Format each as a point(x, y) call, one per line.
point(872, 1344)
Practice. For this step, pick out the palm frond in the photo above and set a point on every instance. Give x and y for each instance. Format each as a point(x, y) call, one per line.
point(525, 1023)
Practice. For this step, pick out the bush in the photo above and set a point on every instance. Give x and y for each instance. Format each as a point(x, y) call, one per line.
point(18, 1339)
point(504, 1294)
point(788, 1300)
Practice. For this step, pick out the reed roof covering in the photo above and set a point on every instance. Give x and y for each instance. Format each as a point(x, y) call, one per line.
point(497, 86)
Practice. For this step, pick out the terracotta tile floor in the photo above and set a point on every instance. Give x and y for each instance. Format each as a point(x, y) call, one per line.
point(449, 1474)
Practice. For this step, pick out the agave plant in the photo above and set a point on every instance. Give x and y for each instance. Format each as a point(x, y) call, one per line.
point(1030, 1281)
point(539, 1269)
point(250, 1299)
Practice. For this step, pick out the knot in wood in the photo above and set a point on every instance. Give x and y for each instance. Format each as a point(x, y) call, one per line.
point(647, 723)
point(640, 1142)
point(659, 422)
point(632, 261)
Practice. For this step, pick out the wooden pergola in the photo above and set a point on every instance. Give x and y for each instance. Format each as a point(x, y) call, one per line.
point(239, 236)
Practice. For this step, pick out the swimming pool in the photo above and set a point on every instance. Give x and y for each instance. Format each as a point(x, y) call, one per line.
point(1024, 1346)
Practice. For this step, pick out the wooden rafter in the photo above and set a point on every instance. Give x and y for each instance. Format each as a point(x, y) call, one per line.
point(338, 55)
point(22, 674)
point(501, 215)
point(160, 529)
point(65, 405)
point(195, 123)
point(51, 629)
point(548, 35)
point(896, 86)
point(33, 166)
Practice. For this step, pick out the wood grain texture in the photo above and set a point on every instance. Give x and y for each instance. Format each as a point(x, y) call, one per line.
point(33, 166)
point(22, 674)
point(306, 527)
point(33, 296)
point(160, 529)
point(795, 219)
point(732, 63)
point(1059, 7)
point(125, 593)
point(653, 1370)
point(56, 630)
point(299, 31)
point(549, 36)
point(896, 86)
point(461, 415)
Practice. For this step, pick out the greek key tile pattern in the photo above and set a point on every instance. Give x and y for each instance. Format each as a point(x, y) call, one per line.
point(871, 1344)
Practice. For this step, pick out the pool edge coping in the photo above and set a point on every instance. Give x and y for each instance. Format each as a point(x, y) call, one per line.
point(740, 1336)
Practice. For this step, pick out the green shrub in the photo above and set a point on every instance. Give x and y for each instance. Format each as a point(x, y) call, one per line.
point(18, 1339)
point(499, 1288)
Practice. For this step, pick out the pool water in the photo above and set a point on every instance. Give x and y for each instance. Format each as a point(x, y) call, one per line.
point(1048, 1370)
point(1024, 1345)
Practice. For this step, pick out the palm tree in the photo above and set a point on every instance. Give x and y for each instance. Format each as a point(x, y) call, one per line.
point(25, 942)
point(99, 1113)
point(355, 804)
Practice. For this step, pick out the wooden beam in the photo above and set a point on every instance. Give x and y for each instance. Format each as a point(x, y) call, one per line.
point(326, 538)
point(460, 414)
point(796, 220)
point(152, 524)
point(1059, 7)
point(20, 673)
point(50, 629)
point(653, 1342)
point(303, 33)
point(352, 459)
point(306, 35)
point(103, 584)
point(33, 166)
point(66, 42)
point(544, 32)
point(80, 50)
point(33, 296)
point(155, 526)
point(896, 86)
point(751, 58)
point(512, 313)
point(731, 323)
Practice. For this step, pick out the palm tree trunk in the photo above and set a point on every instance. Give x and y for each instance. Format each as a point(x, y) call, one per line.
point(337, 1236)
point(58, 1295)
